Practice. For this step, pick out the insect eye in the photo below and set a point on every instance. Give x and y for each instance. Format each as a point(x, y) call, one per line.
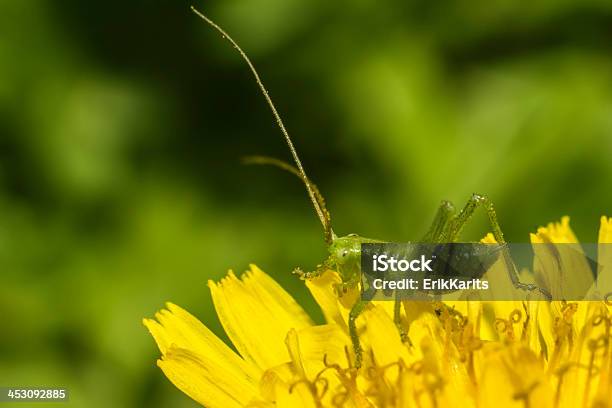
point(344, 253)
point(352, 235)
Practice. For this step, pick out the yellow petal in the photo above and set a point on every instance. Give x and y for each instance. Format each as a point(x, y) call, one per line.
point(296, 397)
point(322, 343)
point(604, 257)
point(605, 230)
point(384, 337)
point(293, 348)
point(205, 381)
point(604, 392)
point(281, 385)
point(512, 377)
point(323, 291)
point(489, 239)
point(559, 232)
point(562, 269)
point(256, 314)
point(175, 326)
point(272, 381)
point(176, 329)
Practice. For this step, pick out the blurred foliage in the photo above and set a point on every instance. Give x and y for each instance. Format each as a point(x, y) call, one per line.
point(122, 125)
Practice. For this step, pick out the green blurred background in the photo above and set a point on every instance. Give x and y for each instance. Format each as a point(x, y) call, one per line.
point(122, 125)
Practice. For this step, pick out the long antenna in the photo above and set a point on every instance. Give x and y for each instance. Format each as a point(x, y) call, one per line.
point(279, 121)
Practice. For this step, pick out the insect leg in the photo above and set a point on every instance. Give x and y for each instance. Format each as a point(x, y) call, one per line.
point(444, 215)
point(459, 221)
point(356, 310)
point(397, 318)
point(441, 221)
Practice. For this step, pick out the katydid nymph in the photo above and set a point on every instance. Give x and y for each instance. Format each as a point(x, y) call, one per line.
point(345, 251)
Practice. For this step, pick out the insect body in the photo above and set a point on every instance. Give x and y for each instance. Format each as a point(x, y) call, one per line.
point(345, 251)
point(345, 258)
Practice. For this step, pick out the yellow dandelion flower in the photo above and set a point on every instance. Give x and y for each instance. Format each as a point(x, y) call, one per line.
point(459, 354)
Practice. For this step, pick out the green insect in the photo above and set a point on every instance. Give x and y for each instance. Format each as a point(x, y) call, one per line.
point(345, 251)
